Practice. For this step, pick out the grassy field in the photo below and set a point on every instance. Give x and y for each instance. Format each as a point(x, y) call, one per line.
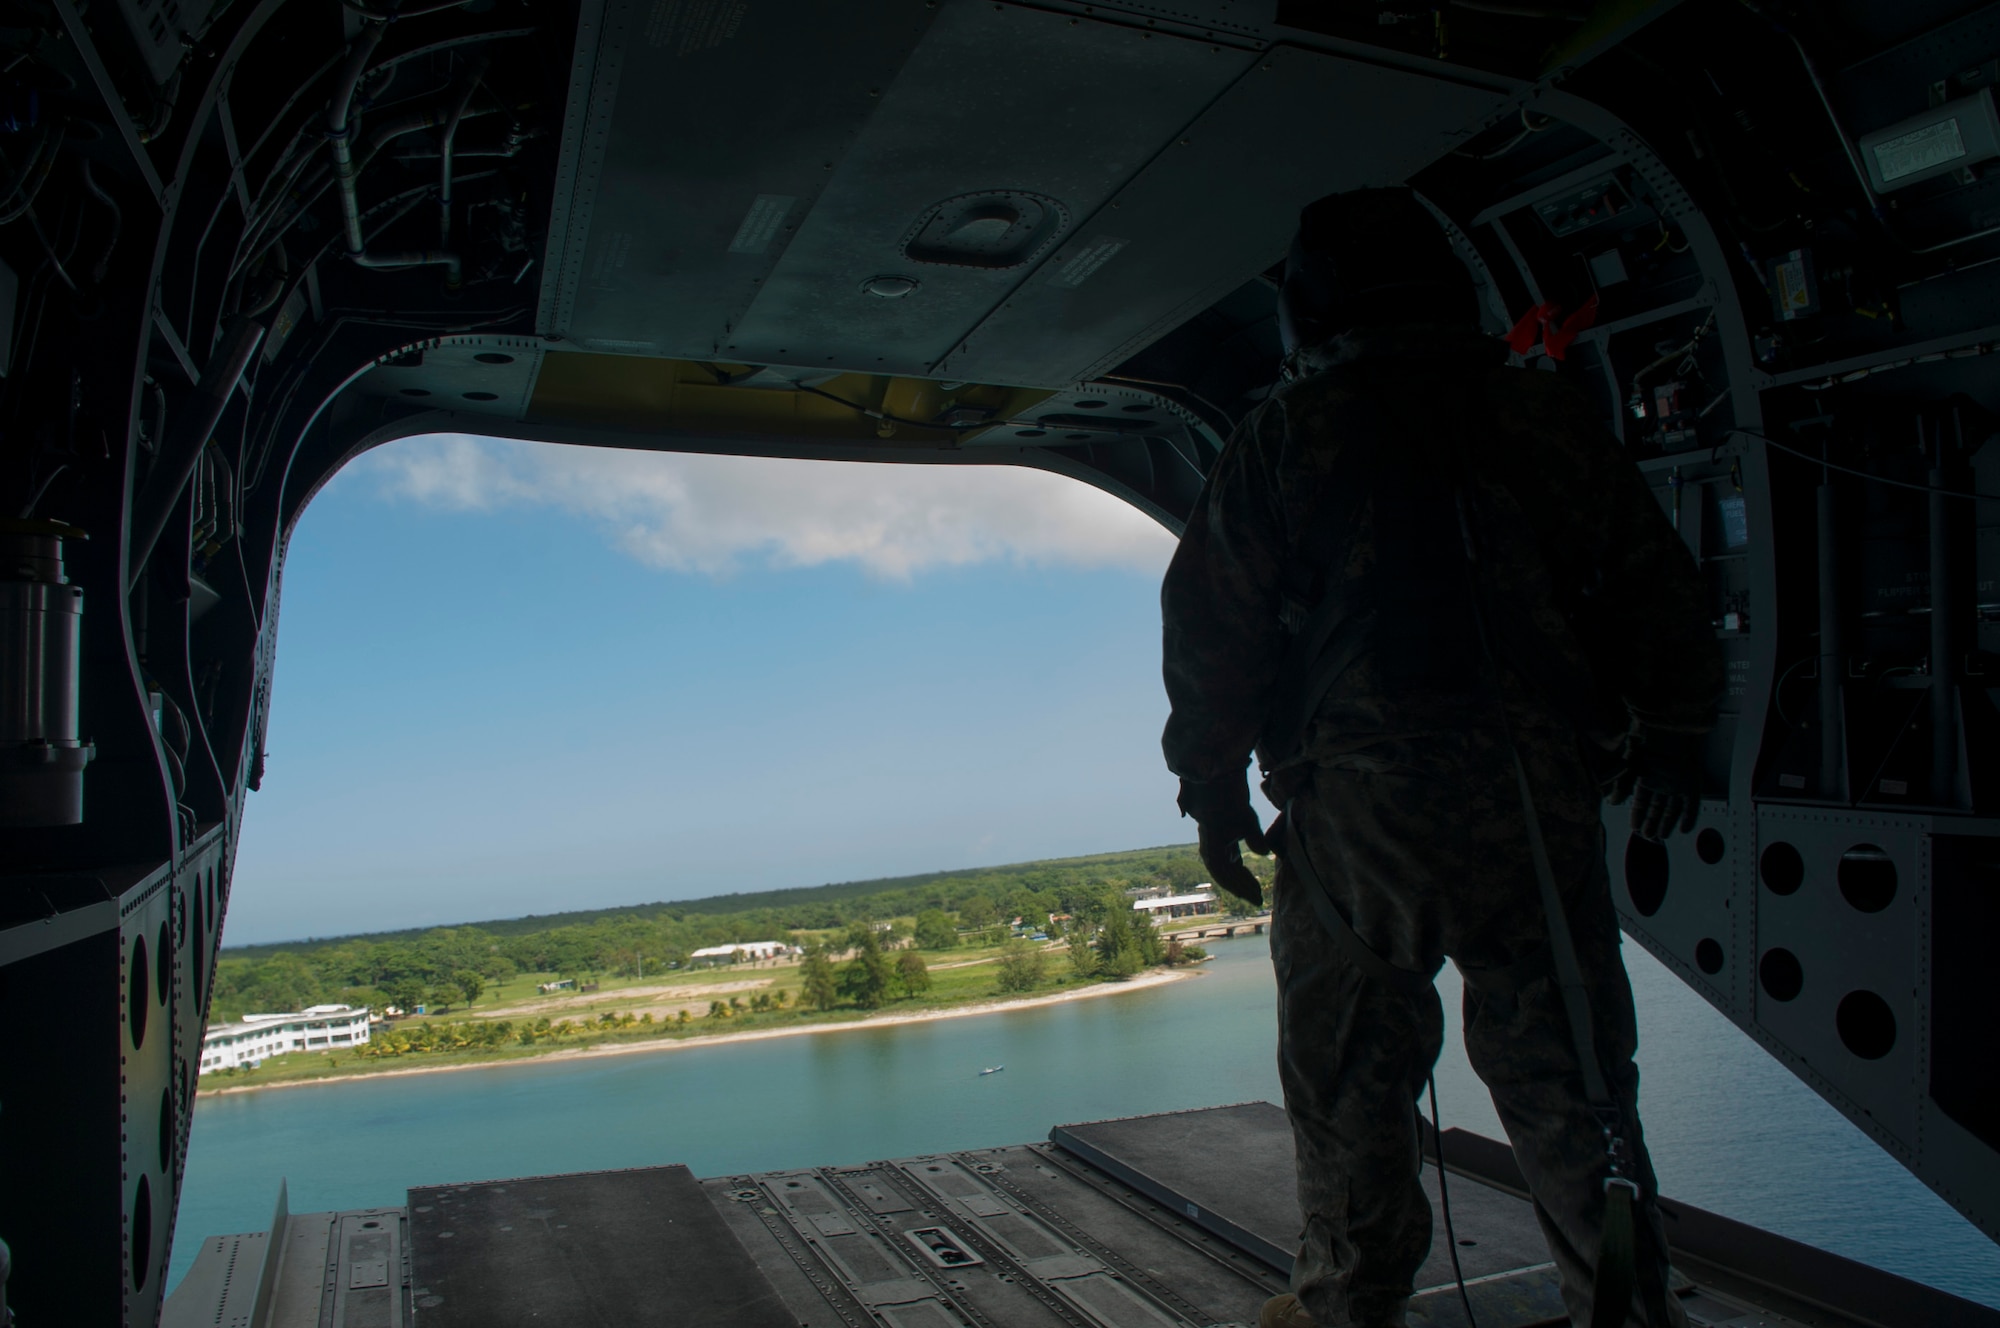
point(614, 1015)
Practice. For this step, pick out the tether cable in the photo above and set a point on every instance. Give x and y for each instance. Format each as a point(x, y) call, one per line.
point(1444, 1202)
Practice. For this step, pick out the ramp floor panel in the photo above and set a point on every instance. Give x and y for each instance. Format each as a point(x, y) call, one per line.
point(1185, 1220)
point(1230, 1169)
point(612, 1248)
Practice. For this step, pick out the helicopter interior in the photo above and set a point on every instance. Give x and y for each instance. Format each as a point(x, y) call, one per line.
point(244, 241)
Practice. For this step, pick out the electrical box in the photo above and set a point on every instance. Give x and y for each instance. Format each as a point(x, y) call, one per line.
point(1794, 285)
point(1580, 209)
point(1952, 137)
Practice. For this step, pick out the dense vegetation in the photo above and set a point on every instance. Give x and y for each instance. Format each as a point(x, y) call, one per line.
point(453, 965)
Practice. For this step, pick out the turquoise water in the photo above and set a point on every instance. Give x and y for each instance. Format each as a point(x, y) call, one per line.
point(1730, 1129)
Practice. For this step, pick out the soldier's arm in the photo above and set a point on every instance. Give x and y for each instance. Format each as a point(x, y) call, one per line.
point(1639, 604)
point(1219, 608)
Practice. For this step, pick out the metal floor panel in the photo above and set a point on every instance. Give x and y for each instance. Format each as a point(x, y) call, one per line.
point(608, 1248)
point(1230, 1170)
point(1182, 1220)
point(325, 1270)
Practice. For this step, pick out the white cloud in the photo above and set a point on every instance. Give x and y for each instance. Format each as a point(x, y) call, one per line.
point(714, 514)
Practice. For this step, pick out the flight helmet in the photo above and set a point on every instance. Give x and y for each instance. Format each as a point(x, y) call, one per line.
point(1370, 257)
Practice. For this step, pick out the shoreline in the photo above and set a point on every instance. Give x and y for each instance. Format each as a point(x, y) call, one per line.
point(1140, 982)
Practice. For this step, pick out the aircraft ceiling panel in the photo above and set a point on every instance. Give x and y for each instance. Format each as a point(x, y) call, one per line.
point(999, 111)
point(721, 132)
point(474, 375)
point(1215, 208)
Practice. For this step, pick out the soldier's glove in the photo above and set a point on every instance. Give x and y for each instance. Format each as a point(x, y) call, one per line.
point(1221, 809)
point(1660, 775)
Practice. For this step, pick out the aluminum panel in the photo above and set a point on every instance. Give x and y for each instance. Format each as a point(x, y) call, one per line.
point(1843, 952)
point(1231, 1170)
point(1215, 208)
point(624, 1243)
point(995, 99)
point(711, 131)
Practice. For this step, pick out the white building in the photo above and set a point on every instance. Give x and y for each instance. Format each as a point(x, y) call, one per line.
point(316, 1028)
point(741, 950)
point(1198, 903)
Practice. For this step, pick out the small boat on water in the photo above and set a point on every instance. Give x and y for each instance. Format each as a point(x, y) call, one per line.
point(992, 1069)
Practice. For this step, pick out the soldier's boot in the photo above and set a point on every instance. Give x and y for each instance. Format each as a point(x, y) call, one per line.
point(1284, 1312)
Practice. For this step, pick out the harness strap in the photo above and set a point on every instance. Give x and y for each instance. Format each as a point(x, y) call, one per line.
point(1620, 1269)
point(1562, 945)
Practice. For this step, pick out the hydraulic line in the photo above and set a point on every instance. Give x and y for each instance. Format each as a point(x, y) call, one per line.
point(339, 130)
point(1444, 1201)
point(444, 153)
point(181, 451)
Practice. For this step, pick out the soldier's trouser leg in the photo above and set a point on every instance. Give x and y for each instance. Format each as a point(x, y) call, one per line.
point(1520, 1045)
point(1353, 1055)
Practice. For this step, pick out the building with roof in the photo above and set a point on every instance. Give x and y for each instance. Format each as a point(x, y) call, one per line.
point(315, 1028)
point(1200, 902)
point(739, 951)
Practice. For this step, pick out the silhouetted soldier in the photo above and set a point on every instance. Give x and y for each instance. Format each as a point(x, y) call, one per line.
point(1415, 581)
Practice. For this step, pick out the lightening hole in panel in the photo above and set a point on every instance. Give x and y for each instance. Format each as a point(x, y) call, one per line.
point(1709, 846)
point(163, 969)
point(1708, 955)
point(1783, 870)
point(138, 994)
point(1867, 878)
point(198, 942)
point(1866, 1024)
point(166, 1129)
point(1780, 974)
point(142, 1233)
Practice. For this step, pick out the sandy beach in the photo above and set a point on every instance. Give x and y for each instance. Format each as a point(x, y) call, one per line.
point(1151, 978)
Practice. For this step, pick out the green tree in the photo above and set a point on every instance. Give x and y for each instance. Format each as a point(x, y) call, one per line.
point(1081, 957)
point(912, 974)
point(1119, 952)
point(817, 986)
point(406, 993)
point(470, 982)
point(1021, 966)
point(934, 930)
point(1146, 938)
point(976, 911)
point(865, 978)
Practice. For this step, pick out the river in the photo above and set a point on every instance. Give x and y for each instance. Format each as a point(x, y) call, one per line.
point(1730, 1129)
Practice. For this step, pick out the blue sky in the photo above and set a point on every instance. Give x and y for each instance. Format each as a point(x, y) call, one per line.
point(519, 678)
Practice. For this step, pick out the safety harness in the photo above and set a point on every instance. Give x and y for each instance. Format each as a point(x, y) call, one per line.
point(1343, 626)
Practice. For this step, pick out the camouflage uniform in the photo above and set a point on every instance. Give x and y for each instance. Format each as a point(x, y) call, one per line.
point(1403, 791)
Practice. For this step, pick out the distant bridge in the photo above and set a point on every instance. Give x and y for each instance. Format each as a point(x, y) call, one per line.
point(1182, 930)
